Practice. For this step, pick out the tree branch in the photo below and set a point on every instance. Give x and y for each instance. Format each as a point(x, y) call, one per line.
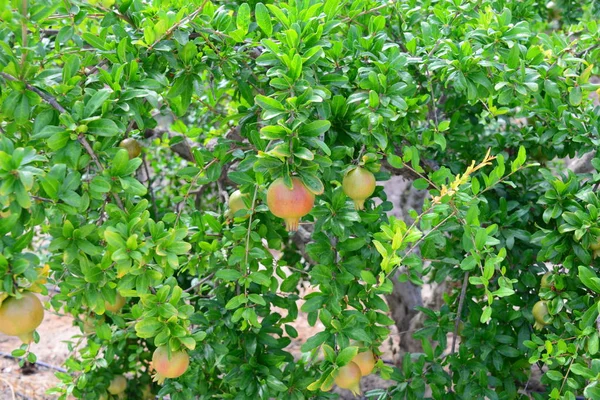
point(47, 98)
point(172, 29)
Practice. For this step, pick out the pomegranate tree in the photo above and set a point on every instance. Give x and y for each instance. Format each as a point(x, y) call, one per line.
point(21, 316)
point(169, 364)
point(348, 377)
point(291, 204)
point(359, 185)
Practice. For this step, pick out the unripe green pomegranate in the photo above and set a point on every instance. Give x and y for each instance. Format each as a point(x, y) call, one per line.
point(365, 361)
point(595, 246)
point(544, 283)
point(236, 203)
point(359, 185)
point(20, 317)
point(290, 204)
point(117, 385)
point(169, 367)
point(132, 146)
point(117, 305)
point(348, 377)
point(540, 312)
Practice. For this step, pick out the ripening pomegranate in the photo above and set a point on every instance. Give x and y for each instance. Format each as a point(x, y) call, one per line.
point(348, 377)
point(236, 203)
point(540, 312)
point(117, 385)
point(290, 204)
point(365, 361)
point(132, 146)
point(20, 317)
point(359, 185)
point(117, 305)
point(169, 367)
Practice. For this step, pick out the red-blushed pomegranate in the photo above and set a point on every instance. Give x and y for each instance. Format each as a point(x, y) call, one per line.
point(365, 361)
point(169, 367)
point(236, 203)
point(117, 385)
point(348, 377)
point(20, 317)
point(359, 185)
point(290, 204)
point(132, 146)
point(540, 313)
point(117, 305)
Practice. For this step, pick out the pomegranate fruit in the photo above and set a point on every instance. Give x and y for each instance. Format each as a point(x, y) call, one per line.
point(236, 203)
point(117, 385)
point(132, 146)
point(169, 367)
point(117, 305)
point(21, 316)
point(540, 314)
point(595, 246)
point(290, 204)
point(365, 361)
point(359, 185)
point(348, 377)
point(544, 283)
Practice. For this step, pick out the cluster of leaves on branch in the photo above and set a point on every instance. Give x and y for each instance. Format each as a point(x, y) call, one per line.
point(475, 101)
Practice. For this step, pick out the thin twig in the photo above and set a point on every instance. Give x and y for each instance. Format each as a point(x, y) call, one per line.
point(248, 236)
point(150, 186)
point(200, 282)
point(178, 24)
point(461, 302)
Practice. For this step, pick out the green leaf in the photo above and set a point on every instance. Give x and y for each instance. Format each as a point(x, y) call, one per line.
point(312, 182)
point(257, 299)
point(236, 301)
point(94, 41)
point(263, 19)
point(95, 102)
point(103, 127)
point(269, 103)
point(228, 275)
point(314, 128)
point(486, 314)
point(346, 355)
point(243, 18)
point(315, 341)
point(148, 327)
point(589, 278)
point(261, 278)
point(575, 96)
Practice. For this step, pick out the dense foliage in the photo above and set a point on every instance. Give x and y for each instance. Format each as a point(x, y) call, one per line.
point(476, 101)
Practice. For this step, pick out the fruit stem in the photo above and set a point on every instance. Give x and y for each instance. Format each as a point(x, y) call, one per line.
point(291, 224)
point(359, 204)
